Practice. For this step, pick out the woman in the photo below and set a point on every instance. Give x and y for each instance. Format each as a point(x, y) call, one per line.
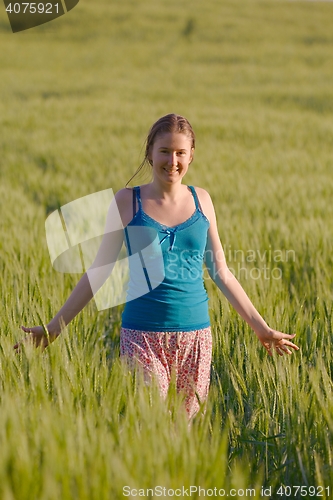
point(166, 329)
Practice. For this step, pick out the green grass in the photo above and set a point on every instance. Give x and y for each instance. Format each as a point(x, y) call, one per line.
point(77, 98)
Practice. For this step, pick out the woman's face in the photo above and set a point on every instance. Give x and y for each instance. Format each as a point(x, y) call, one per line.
point(170, 156)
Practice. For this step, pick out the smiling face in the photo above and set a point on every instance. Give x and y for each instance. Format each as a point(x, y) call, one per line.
point(170, 156)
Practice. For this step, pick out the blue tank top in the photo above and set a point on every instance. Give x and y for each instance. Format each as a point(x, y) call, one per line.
point(179, 302)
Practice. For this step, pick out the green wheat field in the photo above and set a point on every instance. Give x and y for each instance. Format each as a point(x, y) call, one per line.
point(78, 95)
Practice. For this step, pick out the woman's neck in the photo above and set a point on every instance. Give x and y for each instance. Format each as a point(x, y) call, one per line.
point(171, 192)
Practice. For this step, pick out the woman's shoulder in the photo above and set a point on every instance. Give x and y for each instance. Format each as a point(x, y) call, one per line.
point(203, 195)
point(205, 202)
point(124, 194)
point(124, 201)
point(201, 192)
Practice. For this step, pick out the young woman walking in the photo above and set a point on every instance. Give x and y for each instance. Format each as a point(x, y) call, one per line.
point(167, 329)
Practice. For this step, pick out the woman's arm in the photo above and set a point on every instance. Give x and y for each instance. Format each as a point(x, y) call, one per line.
point(231, 288)
point(83, 292)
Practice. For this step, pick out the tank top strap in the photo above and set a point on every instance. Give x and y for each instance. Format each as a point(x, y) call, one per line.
point(195, 196)
point(136, 196)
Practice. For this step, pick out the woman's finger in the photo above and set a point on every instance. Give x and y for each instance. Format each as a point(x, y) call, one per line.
point(283, 349)
point(290, 344)
point(281, 335)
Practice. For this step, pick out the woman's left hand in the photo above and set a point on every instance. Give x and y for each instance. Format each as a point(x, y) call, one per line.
point(279, 341)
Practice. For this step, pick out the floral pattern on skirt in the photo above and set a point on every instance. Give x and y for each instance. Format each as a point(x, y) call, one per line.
point(187, 354)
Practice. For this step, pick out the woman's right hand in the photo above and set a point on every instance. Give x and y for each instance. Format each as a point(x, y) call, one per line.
point(37, 337)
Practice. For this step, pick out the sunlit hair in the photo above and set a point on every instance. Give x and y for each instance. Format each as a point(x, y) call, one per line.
point(171, 123)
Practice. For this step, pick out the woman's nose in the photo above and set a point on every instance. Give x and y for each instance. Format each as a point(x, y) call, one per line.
point(173, 161)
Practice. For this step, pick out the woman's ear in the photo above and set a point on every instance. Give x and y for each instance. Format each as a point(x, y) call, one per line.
point(192, 154)
point(148, 156)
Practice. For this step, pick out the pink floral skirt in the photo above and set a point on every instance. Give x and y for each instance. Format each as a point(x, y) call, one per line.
point(187, 355)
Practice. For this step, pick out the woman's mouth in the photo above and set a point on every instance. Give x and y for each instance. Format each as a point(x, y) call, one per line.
point(173, 171)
